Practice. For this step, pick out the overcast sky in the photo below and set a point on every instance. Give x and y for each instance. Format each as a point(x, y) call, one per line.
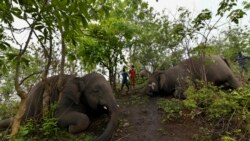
point(195, 6)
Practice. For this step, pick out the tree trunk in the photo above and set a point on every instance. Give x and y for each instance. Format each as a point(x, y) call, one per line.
point(114, 75)
point(18, 118)
point(47, 91)
point(63, 52)
point(21, 93)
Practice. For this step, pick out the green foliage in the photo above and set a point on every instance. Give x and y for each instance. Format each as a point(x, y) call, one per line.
point(158, 37)
point(217, 105)
point(49, 127)
point(204, 134)
point(201, 99)
point(8, 109)
point(172, 107)
point(26, 130)
point(234, 14)
point(246, 4)
point(228, 111)
point(49, 123)
point(227, 138)
point(226, 5)
point(199, 21)
point(107, 42)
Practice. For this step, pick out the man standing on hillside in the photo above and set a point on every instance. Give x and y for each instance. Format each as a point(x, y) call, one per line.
point(132, 76)
point(124, 79)
point(242, 61)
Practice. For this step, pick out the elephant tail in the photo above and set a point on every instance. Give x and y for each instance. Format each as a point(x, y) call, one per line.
point(111, 127)
point(6, 123)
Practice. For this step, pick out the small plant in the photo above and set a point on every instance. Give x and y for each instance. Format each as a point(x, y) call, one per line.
point(87, 137)
point(227, 138)
point(49, 127)
point(25, 130)
point(49, 123)
point(204, 134)
point(171, 107)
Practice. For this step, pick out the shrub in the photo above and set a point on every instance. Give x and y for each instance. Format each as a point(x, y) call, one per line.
point(172, 107)
point(204, 134)
point(8, 109)
point(229, 110)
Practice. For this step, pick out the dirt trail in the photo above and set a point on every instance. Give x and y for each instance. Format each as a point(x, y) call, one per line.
point(142, 120)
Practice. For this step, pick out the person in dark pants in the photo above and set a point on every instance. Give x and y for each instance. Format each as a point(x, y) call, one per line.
point(242, 61)
point(124, 79)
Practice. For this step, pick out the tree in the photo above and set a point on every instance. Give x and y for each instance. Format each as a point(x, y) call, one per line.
point(159, 39)
point(44, 19)
point(105, 42)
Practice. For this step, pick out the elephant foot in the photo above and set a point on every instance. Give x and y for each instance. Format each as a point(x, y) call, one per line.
point(180, 94)
point(82, 124)
point(74, 129)
point(75, 121)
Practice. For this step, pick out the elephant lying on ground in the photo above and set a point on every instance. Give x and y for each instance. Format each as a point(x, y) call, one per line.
point(213, 69)
point(145, 73)
point(80, 98)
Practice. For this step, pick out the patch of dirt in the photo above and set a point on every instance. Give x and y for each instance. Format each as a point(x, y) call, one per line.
point(142, 120)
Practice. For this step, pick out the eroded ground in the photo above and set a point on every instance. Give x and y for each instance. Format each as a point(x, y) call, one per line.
point(143, 120)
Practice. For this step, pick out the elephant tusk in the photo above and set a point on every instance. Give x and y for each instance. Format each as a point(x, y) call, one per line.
point(105, 107)
point(152, 85)
point(118, 105)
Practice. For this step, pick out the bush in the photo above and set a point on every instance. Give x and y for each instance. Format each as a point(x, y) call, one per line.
point(172, 107)
point(204, 134)
point(8, 109)
point(229, 110)
point(26, 130)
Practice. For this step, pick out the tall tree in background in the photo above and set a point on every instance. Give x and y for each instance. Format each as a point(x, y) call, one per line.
point(106, 43)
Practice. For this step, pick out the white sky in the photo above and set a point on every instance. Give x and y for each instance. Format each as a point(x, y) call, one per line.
point(194, 6)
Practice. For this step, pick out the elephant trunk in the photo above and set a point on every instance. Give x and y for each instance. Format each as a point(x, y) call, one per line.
point(111, 127)
point(5, 124)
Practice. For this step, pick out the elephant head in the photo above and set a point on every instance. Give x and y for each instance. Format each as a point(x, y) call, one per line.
point(97, 93)
point(155, 82)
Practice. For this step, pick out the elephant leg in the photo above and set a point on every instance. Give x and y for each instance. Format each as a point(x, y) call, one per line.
point(180, 88)
point(180, 93)
point(75, 122)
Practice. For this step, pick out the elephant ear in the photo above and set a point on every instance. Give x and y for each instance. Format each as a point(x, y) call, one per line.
point(72, 91)
point(162, 80)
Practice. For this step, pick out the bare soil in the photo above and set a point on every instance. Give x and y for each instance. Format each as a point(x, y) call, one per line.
point(143, 120)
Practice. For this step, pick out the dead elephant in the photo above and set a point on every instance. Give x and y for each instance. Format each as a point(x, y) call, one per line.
point(213, 69)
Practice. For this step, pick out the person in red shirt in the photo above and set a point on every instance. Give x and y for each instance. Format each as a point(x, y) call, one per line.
point(132, 75)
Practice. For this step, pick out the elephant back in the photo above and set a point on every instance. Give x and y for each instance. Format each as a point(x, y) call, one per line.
point(36, 95)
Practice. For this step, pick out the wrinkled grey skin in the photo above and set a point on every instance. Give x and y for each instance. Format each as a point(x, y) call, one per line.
point(79, 100)
point(173, 81)
point(145, 73)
